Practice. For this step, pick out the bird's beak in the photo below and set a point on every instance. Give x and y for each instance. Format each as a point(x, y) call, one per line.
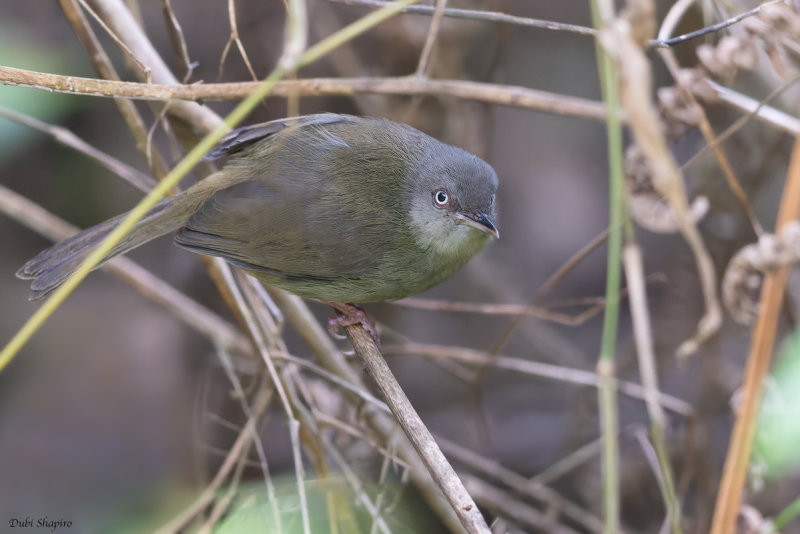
point(479, 221)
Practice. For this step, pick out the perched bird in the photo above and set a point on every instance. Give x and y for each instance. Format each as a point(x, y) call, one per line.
point(337, 208)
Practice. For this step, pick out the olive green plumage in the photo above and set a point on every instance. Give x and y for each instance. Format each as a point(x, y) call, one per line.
point(332, 207)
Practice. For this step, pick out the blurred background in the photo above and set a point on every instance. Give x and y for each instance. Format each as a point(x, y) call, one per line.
point(115, 413)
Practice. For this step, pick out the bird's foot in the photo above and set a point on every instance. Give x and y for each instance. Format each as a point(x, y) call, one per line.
point(348, 315)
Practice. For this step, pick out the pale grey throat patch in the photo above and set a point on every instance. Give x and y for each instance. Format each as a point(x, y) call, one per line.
point(435, 230)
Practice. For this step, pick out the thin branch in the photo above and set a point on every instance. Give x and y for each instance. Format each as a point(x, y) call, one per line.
point(143, 69)
point(436, 463)
point(528, 367)
point(430, 40)
point(177, 39)
point(758, 361)
point(102, 64)
point(234, 39)
point(475, 14)
point(758, 108)
point(207, 496)
point(141, 181)
point(502, 95)
point(663, 42)
point(492, 469)
point(503, 503)
point(642, 330)
point(300, 317)
point(603, 17)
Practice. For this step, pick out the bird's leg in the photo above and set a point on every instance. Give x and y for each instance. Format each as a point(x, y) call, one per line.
point(350, 314)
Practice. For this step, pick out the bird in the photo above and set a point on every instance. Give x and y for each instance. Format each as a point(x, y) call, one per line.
point(332, 207)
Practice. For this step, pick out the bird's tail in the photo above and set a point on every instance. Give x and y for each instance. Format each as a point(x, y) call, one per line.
point(51, 267)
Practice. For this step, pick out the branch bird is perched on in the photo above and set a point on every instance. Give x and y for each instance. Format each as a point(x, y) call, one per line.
point(337, 208)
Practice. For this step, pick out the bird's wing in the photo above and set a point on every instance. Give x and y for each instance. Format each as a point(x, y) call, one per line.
point(237, 140)
point(286, 229)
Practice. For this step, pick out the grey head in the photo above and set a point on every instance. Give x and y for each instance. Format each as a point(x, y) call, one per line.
point(452, 202)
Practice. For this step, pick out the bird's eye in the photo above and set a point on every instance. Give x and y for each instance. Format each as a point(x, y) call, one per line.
point(440, 198)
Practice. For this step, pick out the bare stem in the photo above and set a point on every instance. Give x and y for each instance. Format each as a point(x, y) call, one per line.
point(436, 463)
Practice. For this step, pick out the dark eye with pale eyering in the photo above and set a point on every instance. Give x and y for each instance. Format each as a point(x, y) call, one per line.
point(440, 198)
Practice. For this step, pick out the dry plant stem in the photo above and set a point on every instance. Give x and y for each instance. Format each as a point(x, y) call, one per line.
point(191, 313)
point(301, 318)
point(551, 282)
point(635, 80)
point(680, 7)
point(234, 39)
point(230, 372)
point(503, 309)
point(602, 18)
point(768, 114)
point(474, 14)
point(102, 64)
point(257, 334)
point(705, 128)
point(355, 483)
point(177, 39)
point(430, 40)
point(327, 420)
point(578, 457)
point(502, 95)
point(117, 16)
point(207, 496)
point(506, 505)
point(634, 274)
point(539, 369)
point(139, 180)
point(752, 109)
point(436, 463)
point(733, 476)
point(492, 469)
point(144, 71)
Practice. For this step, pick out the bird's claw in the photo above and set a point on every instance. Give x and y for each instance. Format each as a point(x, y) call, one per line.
point(349, 315)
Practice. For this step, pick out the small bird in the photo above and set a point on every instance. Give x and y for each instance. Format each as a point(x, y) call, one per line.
point(337, 208)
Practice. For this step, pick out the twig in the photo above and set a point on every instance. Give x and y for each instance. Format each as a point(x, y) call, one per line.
point(544, 289)
point(125, 26)
point(543, 370)
point(667, 493)
point(141, 181)
point(727, 170)
point(763, 338)
point(102, 64)
point(537, 491)
point(234, 38)
point(259, 339)
point(143, 68)
point(603, 17)
point(632, 258)
point(635, 79)
point(227, 365)
point(474, 14)
point(667, 43)
point(356, 484)
point(430, 40)
point(577, 457)
point(207, 495)
point(436, 463)
point(177, 39)
point(493, 16)
point(768, 114)
point(504, 504)
point(503, 95)
point(502, 309)
point(300, 317)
